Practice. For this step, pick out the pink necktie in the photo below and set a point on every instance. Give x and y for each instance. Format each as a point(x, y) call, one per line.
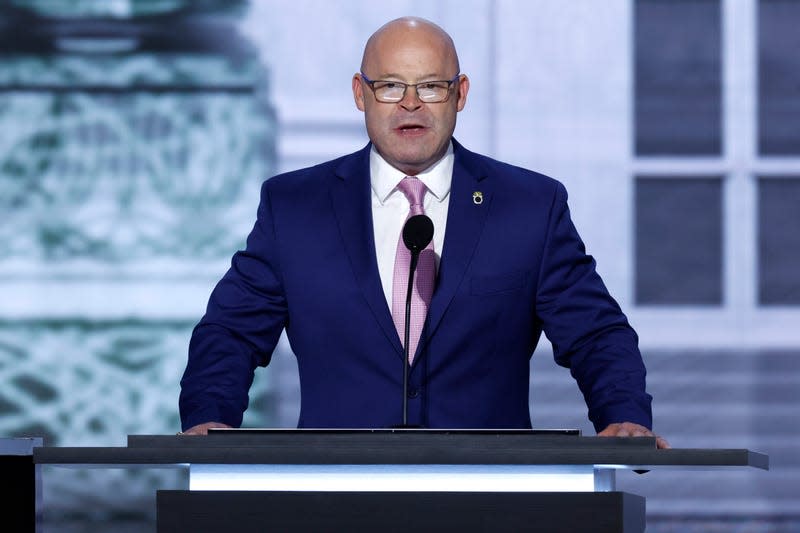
point(424, 275)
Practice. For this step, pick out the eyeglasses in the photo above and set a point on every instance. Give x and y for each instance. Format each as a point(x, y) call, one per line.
point(391, 92)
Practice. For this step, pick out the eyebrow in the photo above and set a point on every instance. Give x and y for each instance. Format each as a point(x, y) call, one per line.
point(428, 77)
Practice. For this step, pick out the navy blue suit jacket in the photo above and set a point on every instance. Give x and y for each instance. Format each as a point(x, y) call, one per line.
point(511, 267)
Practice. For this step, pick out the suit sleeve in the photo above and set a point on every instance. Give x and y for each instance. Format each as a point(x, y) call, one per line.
point(589, 333)
point(242, 325)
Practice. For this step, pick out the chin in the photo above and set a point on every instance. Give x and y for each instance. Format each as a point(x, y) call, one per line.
point(414, 163)
point(418, 155)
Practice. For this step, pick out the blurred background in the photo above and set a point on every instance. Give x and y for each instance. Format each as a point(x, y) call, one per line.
point(134, 135)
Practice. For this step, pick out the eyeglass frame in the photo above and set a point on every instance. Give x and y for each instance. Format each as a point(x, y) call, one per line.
point(372, 83)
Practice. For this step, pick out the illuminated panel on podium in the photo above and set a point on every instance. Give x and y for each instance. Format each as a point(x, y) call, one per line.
point(397, 478)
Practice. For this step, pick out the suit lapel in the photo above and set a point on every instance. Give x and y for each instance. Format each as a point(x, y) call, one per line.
point(351, 198)
point(465, 221)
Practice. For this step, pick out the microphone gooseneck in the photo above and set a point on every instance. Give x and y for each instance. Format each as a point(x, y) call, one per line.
point(417, 234)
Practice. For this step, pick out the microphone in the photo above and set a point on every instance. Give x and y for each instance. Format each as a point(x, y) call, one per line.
point(417, 233)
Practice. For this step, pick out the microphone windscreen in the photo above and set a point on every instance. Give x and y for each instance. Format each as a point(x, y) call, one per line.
point(417, 232)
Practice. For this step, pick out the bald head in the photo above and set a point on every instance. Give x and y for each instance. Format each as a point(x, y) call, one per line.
point(409, 29)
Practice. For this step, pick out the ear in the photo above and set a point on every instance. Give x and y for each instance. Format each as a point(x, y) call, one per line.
point(463, 89)
point(358, 92)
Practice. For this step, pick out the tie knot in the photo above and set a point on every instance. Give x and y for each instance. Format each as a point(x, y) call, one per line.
point(414, 190)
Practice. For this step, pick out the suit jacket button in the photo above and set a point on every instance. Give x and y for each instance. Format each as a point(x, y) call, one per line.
point(413, 393)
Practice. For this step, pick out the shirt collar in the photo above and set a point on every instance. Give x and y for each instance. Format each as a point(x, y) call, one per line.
point(437, 177)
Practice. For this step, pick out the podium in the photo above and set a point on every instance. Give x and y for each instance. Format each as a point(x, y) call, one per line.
point(393, 480)
point(24, 479)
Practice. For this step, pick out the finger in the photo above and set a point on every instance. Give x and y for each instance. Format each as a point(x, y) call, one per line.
point(202, 429)
point(662, 444)
point(636, 430)
point(610, 430)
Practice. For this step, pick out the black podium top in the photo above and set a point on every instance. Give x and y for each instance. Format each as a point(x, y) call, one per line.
point(362, 447)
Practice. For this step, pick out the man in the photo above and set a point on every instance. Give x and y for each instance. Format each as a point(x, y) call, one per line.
point(323, 262)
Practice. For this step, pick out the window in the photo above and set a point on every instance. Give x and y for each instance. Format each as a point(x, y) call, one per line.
point(678, 117)
point(678, 74)
point(679, 240)
point(779, 240)
point(779, 77)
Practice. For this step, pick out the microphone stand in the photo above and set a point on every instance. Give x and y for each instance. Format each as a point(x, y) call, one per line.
point(407, 334)
point(417, 234)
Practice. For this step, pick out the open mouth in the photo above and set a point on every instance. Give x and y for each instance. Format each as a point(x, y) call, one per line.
point(410, 129)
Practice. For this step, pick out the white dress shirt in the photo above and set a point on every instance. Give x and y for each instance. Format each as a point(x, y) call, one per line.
point(390, 209)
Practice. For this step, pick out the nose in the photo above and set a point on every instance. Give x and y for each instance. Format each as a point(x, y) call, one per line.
point(410, 100)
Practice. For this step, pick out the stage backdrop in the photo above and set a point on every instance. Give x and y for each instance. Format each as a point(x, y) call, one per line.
point(134, 135)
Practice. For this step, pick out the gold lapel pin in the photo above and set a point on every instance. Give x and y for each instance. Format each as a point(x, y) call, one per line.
point(477, 198)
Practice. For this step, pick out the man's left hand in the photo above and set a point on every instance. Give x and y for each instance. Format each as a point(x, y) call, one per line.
point(629, 429)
